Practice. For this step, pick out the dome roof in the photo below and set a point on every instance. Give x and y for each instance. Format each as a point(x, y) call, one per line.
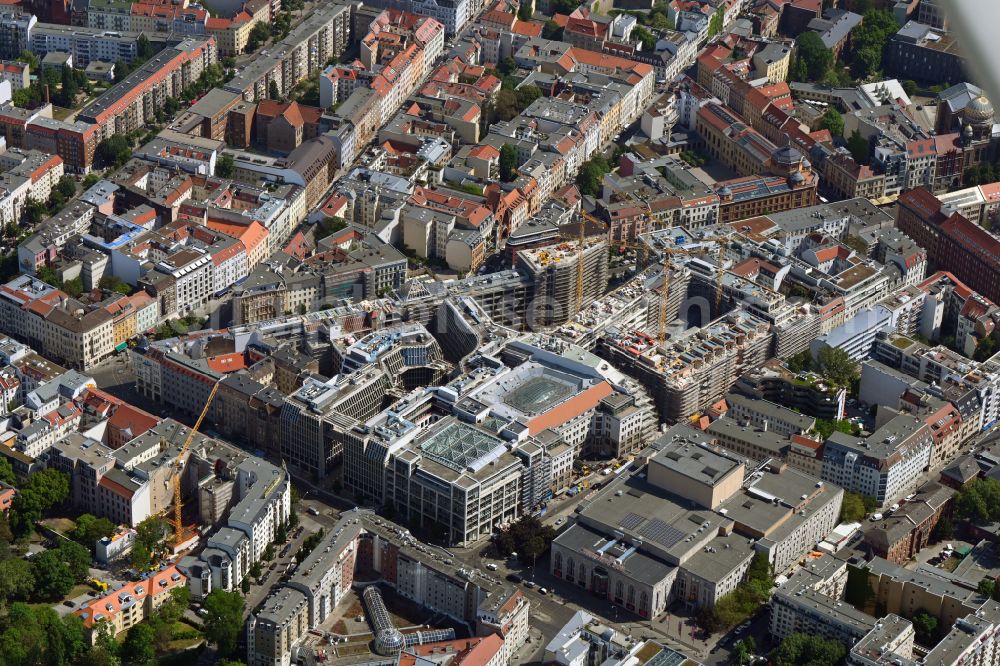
point(787, 155)
point(797, 177)
point(389, 642)
point(979, 110)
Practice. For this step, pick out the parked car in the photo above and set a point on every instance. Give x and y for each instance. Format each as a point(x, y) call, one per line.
point(514, 578)
point(542, 590)
point(529, 584)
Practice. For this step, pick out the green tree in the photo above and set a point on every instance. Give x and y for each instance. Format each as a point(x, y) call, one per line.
point(816, 58)
point(837, 367)
point(715, 24)
point(645, 37)
point(552, 30)
point(743, 650)
point(979, 500)
point(526, 536)
point(852, 509)
point(590, 177)
point(77, 558)
point(566, 7)
point(34, 211)
point(114, 283)
point(42, 491)
point(223, 619)
point(17, 579)
point(225, 167)
point(272, 90)
point(90, 528)
point(67, 186)
point(808, 650)
point(524, 11)
point(258, 35)
point(859, 147)
point(114, 151)
point(7, 472)
point(657, 18)
point(73, 287)
point(525, 95)
point(53, 576)
point(68, 87)
point(986, 587)
point(508, 162)
point(801, 362)
point(910, 87)
point(868, 41)
point(825, 427)
point(150, 532)
point(33, 63)
point(138, 648)
point(985, 349)
point(143, 48)
point(925, 627)
point(90, 180)
point(833, 121)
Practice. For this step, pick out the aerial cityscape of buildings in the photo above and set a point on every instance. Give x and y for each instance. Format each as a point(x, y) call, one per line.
point(496, 332)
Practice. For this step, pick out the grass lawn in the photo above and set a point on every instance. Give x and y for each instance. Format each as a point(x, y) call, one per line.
point(59, 113)
point(63, 525)
point(951, 563)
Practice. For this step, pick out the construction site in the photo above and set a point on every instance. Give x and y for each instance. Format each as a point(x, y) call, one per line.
point(563, 285)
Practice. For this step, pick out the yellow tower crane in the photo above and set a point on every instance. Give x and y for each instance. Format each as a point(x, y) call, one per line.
point(665, 263)
point(177, 521)
point(585, 217)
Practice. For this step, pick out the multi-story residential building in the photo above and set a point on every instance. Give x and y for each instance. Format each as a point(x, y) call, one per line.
point(16, 73)
point(250, 498)
point(899, 537)
point(919, 50)
point(321, 36)
point(88, 44)
point(810, 602)
point(951, 241)
point(126, 607)
point(134, 101)
point(78, 335)
point(452, 14)
point(690, 373)
point(365, 542)
point(886, 464)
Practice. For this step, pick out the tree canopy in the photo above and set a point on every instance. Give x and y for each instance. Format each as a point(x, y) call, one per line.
point(114, 151)
point(508, 162)
point(745, 600)
point(979, 500)
point(833, 121)
point(808, 650)
point(868, 42)
point(837, 367)
point(925, 626)
point(590, 177)
point(813, 55)
point(38, 494)
point(224, 619)
point(527, 537)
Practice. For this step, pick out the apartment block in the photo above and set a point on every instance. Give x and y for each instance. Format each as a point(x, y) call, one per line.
point(694, 369)
point(884, 465)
